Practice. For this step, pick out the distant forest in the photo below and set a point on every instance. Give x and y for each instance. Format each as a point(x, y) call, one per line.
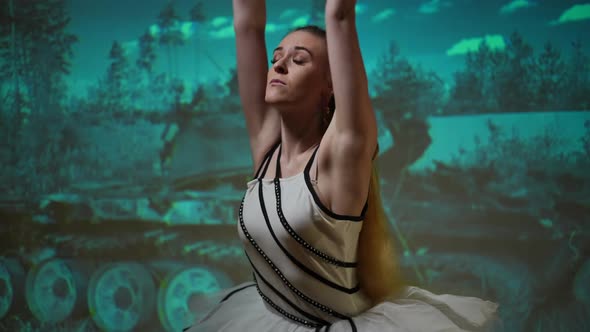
point(37, 112)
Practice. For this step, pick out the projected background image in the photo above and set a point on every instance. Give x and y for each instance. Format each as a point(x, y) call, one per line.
point(124, 155)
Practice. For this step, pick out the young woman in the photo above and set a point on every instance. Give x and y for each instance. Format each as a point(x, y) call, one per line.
point(311, 220)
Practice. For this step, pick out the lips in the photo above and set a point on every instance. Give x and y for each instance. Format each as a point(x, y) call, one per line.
point(277, 81)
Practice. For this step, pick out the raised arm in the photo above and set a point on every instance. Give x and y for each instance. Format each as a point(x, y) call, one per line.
point(252, 66)
point(353, 128)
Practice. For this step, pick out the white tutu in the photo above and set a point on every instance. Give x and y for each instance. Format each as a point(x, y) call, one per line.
point(304, 259)
point(416, 310)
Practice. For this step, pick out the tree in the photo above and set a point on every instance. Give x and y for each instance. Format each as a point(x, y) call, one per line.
point(406, 95)
point(35, 60)
point(117, 78)
point(577, 82)
point(472, 91)
point(198, 99)
point(197, 14)
point(147, 55)
point(495, 80)
point(36, 52)
point(404, 90)
point(170, 34)
point(548, 75)
point(513, 72)
point(466, 95)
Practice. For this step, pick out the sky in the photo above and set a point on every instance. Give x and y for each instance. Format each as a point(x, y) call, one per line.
point(434, 34)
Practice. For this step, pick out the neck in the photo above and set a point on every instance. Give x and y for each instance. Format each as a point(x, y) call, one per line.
point(300, 131)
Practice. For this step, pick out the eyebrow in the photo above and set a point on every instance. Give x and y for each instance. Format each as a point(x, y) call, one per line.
point(280, 48)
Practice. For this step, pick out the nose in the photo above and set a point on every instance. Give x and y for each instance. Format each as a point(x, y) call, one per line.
point(280, 66)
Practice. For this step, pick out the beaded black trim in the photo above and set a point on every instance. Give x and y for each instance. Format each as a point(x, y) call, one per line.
point(280, 274)
point(284, 313)
point(317, 200)
point(284, 298)
point(294, 235)
point(293, 259)
point(266, 160)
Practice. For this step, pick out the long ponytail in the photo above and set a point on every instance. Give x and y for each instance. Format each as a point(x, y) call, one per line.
point(378, 269)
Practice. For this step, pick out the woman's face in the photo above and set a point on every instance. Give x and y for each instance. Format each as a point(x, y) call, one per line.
point(299, 71)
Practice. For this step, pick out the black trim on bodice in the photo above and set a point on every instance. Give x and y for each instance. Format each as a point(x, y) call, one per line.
point(283, 297)
point(318, 201)
point(302, 266)
point(280, 274)
point(317, 322)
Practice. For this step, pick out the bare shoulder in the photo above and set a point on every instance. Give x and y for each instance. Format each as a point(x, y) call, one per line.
point(344, 171)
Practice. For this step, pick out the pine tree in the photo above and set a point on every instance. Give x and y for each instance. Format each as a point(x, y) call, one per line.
point(405, 90)
point(170, 34)
point(513, 89)
point(473, 88)
point(147, 55)
point(197, 13)
point(549, 74)
point(577, 83)
point(48, 50)
point(145, 63)
point(117, 94)
point(197, 16)
point(14, 101)
point(35, 58)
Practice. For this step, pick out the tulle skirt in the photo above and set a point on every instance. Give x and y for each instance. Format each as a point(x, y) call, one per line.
point(241, 309)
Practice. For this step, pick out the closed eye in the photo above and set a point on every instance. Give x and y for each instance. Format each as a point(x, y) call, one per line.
point(296, 61)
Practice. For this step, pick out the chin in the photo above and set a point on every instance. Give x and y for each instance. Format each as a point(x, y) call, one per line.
point(274, 100)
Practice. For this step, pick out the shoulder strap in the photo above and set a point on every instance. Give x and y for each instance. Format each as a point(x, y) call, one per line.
point(310, 161)
point(266, 161)
point(308, 166)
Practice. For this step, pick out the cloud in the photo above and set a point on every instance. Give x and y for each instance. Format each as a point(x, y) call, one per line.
point(219, 21)
point(360, 8)
point(222, 33)
point(154, 30)
point(221, 28)
point(229, 32)
point(575, 13)
point(466, 45)
point(186, 28)
point(432, 6)
point(300, 21)
point(288, 13)
point(515, 5)
point(383, 15)
point(271, 27)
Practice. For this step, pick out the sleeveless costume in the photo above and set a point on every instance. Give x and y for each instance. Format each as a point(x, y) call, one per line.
point(303, 259)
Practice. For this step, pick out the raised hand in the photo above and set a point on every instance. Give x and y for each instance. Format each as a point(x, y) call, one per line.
point(249, 13)
point(340, 8)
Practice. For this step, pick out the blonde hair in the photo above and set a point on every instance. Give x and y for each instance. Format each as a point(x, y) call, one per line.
point(378, 269)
